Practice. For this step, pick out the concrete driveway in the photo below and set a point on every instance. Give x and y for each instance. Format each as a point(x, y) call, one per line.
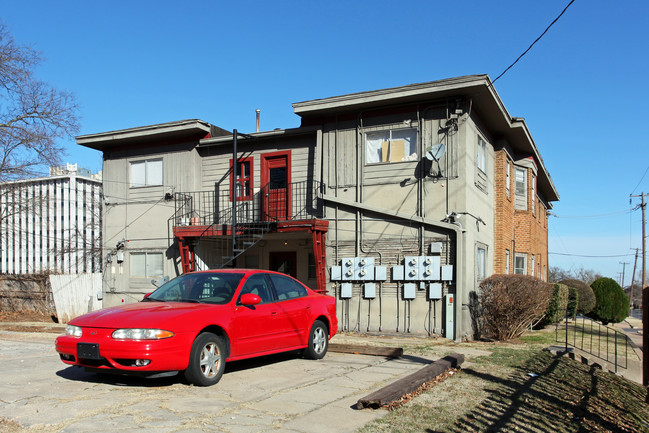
point(278, 393)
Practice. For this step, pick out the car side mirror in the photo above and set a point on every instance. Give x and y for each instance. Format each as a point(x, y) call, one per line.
point(250, 299)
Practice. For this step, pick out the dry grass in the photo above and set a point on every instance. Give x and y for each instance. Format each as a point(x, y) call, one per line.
point(520, 387)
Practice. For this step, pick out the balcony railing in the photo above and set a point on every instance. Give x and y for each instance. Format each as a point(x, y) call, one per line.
point(298, 201)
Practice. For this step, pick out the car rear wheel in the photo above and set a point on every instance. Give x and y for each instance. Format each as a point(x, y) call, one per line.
point(318, 341)
point(206, 360)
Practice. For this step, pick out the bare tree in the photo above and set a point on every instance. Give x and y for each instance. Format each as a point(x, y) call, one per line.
point(557, 274)
point(33, 115)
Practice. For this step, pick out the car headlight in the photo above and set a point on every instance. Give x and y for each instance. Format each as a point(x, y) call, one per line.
point(141, 334)
point(75, 331)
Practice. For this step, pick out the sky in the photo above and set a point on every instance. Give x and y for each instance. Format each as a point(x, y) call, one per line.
point(581, 88)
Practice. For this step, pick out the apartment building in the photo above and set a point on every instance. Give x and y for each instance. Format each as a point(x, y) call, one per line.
point(398, 202)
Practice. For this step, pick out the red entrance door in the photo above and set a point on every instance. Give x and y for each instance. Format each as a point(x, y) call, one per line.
point(276, 178)
point(284, 262)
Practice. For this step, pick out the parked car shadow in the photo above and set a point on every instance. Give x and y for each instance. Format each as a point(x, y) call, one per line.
point(167, 379)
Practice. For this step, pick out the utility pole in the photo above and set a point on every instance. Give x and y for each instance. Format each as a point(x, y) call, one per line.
point(623, 272)
point(635, 264)
point(645, 302)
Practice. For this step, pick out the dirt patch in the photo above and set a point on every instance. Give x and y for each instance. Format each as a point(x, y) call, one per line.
point(25, 316)
point(28, 321)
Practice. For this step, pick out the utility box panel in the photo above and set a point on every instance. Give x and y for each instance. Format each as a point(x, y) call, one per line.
point(450, 316)
point(409, 291)
point(436, 248)
point(336, 273)
point(364, 268)
point(422, 268)
point(348, 265)
point(397, 273)
point(345, 290)
point(435, 291)
point(447, 273)
point(380, 273)
point(369, 290)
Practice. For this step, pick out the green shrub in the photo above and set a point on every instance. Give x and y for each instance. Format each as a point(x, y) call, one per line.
point(586, 296)
point(612, 305)
point(573, 301)
point(558, 304)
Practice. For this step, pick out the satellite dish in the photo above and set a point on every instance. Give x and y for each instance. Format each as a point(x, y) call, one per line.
point(434, 153)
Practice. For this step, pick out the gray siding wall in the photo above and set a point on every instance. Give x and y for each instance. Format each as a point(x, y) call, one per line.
point(407, 189)
point(140, 216)
point(215, 160)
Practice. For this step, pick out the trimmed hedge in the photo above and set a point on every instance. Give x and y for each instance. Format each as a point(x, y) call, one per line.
point(612, 304)
point(586, 297)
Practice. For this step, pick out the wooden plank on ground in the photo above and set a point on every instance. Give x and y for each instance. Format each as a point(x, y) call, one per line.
point(391, 352)
point(410, 383)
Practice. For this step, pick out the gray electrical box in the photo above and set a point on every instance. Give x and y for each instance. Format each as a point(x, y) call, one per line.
point(336, 273)
point(345, 290)
point(369, 290)
point(422, 268)
point(447, 273)
point(380, 273)
point(348, 265)
point(397, 273)
point(364, 268)
point(436, 248)
point(409, 291)
point(435, 291)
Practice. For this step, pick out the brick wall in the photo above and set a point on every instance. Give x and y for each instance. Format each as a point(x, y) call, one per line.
point(519, 231)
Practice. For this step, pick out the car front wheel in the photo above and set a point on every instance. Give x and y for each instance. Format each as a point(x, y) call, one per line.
point(206, 360)
point(318, 341)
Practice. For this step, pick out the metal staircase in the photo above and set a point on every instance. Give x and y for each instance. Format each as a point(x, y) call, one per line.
point(212, 233)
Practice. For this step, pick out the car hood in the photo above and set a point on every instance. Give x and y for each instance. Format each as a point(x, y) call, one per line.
point(159, 315)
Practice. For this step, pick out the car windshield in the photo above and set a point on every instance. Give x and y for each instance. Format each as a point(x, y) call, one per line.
point(208, 287)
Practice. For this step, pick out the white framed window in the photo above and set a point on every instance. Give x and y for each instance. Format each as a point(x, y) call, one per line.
point(520, 188)
point(533, 194)
point(146, 265)
point(508, 178)
point(507, 258)
point(480, 262)
point(520, 263)
point(146, 173)
point(394, 145)
point(481, 159)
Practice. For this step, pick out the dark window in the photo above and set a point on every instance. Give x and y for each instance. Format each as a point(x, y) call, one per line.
point(287, 288)
point(257, 284)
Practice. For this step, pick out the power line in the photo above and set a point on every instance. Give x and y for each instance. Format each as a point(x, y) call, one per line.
point(620, 212)
point(537, 39)
point(590, 256)
point(641, 179)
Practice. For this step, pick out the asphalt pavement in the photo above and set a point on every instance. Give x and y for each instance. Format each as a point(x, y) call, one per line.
point(278, 393)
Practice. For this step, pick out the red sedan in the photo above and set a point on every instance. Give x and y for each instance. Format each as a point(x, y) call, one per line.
point(198, 321)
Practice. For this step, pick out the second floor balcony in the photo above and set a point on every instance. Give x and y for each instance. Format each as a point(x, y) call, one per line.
point(267, 205)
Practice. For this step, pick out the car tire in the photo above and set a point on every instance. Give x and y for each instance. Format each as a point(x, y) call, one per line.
point(206, 360)
point(318, 341)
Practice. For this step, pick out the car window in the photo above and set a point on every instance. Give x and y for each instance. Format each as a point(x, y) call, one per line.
point(209, 287)
point(257, 284)
point(287, 288)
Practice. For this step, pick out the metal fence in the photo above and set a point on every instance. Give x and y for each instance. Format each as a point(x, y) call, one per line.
point(299, 200)
point(598, 340)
